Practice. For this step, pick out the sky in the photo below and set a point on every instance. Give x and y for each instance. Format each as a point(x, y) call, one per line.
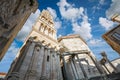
point(88, 18)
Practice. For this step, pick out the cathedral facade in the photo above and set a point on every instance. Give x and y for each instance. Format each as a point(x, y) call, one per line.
point(38, 59)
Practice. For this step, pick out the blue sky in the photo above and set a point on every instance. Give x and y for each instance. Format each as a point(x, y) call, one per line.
point(89, 18)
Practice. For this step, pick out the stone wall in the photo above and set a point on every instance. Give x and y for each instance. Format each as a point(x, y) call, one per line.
point(13, 15)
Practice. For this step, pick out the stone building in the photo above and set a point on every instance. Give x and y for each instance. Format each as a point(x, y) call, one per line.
point(13, 15)
point(78, 62)
point(38, 59)
point(44, 57)
point(112, 37)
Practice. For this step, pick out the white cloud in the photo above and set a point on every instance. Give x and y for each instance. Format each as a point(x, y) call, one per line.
point(98, 6)
point(9, 57)
point(13, 48)
point(104, 22)
point(83, 29)
point(68, 11)
point(95, 42)
point(73, 14)
point(114, 9)
point(23, 33)
point(11, 53)
point(57, 22)
point(99, 45)
point(53, 12)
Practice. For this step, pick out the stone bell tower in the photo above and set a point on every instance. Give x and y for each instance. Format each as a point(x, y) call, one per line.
point(38, 59)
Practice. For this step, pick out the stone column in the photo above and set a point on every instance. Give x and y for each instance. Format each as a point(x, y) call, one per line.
point(51, 64)
point(21, 65)
point(45, 66)
point(26, 62)
point(100, 69)
point(115, 69)
point(48, 64)
point(81, 66)
point(107, 60)
point(40, 63)
point(65, 69)
point(55, 67)
point(106, 69)
point(36, 62)
point(32, 70)
point(58, 65)
point(74, 69)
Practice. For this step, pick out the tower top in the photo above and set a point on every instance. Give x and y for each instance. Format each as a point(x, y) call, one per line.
point(44, 30)
point(47, 17)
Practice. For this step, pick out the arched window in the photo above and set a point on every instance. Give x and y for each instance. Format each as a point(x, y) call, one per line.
point(49, 30)
point(46, 30)
point(40, 26)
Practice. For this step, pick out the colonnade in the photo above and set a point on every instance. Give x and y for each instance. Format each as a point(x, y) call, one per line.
point(36, 62)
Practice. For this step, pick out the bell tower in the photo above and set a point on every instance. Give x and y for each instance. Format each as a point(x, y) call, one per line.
point(44, 30)
point(38, 59)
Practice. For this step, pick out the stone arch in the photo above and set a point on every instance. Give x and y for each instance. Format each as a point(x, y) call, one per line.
point(49, 30)
point(51, 35)
point(40, 26)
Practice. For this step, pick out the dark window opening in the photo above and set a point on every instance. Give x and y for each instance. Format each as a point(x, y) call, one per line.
point(47, 58)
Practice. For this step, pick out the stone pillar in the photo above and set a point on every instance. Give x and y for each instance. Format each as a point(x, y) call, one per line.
point(40, 63)
point(81, 66)
point(65, 69)
point(115, 69)
point(59, 72)
point(44, 62)
point(106, 69)
point(21, 65)
point(26, 62)
point(48, 64)
point(32, 70)
point(100, 69)
point(36, 62)
point(74, 69)
point(107, 60)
